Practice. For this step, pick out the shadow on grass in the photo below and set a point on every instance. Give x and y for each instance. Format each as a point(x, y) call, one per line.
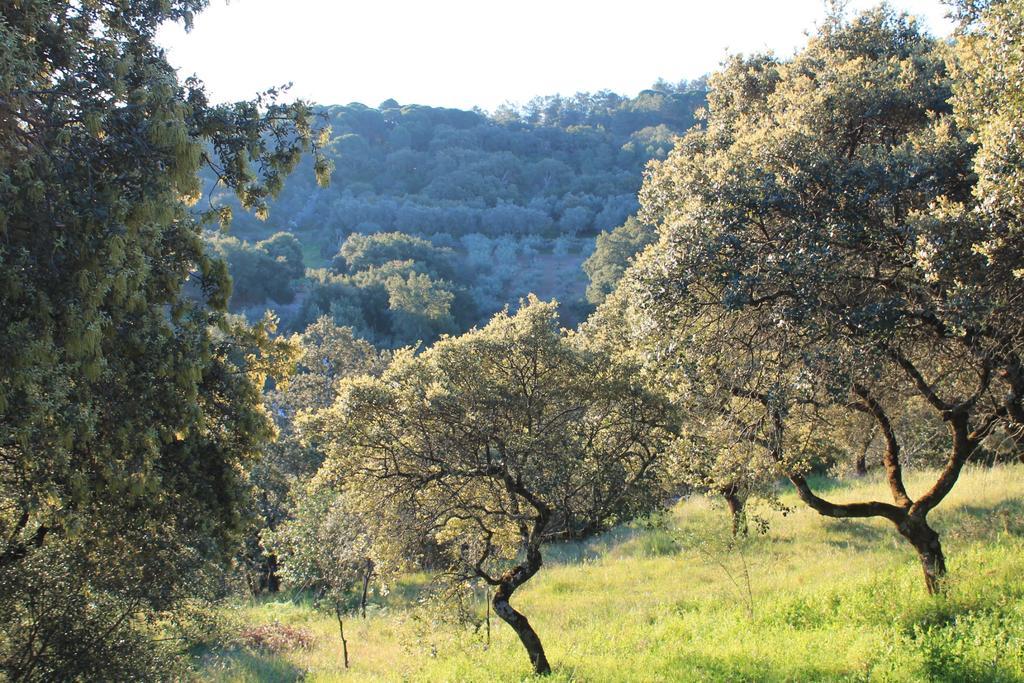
point(855, 534)
point(984, 523)
point(245, 665)
point(591, 549)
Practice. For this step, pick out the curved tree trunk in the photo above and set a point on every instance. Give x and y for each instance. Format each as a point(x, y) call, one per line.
point(926, 541)
point(519, 623)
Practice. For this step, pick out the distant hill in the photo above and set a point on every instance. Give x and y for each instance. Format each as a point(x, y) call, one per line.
point(500, 190)
point(555, 166)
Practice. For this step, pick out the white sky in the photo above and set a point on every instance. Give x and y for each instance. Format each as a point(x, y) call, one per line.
point(461, 53)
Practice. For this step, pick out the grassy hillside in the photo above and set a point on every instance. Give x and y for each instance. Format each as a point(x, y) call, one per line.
point(813, 599)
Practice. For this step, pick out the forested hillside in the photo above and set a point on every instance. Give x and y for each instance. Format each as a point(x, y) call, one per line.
point(513, 199)
point(555, 166)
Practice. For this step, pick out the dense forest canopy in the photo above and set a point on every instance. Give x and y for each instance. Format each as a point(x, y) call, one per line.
point(511, 196)
point(555, 166)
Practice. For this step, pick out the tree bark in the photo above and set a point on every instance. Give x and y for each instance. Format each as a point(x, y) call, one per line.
point(269, 579)
point(488, 601)
point(521, 625)
point(737, 509)
point(861, 466)
point(926, 541)
point(367, 573)
point(507, 585)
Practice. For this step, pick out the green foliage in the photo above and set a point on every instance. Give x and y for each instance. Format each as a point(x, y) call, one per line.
point(287, 251)
point(260, 272)
point(325, 546)
point(362, 252)
point(989, 101)
point(612, 256)
point(392, 290)
point(68, 616)
point(131, 408)
point(507, 417)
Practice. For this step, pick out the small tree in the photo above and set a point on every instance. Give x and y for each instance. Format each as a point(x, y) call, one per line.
point(325, 353)
point(491, 444)
point(325, 547)
point(710, 455)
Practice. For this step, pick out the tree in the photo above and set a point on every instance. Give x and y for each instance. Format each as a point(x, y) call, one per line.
point(325, 353)
point(720, 446)
point(130, 405)
point(258, 275)
point(285, 250)
point(362, 252)
point(325, 547)
point(420, 307)
point(818, 243)
point(493, 443)
point(612, 254)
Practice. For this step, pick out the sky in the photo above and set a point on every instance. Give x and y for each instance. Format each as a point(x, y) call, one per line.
point(460, 53)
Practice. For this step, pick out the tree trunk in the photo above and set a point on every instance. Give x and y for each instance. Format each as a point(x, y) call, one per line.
point(520, 574)
point(926, 541)
point(488, 601)
point(521, 625)
point(367, 573)
point(738, 511)
point(341, 629)
point(861, 466)
point(270, 581)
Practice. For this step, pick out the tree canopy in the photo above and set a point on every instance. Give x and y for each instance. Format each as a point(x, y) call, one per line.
point(820, 246)
point(130, 403)
point(494, 443)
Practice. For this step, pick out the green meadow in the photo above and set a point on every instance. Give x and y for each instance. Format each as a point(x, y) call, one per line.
point(675, 599)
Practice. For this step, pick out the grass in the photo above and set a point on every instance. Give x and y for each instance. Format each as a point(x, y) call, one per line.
point(311, 255)
point(813, 599)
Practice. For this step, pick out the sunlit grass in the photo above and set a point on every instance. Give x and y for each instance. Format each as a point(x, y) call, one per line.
point(827, 600)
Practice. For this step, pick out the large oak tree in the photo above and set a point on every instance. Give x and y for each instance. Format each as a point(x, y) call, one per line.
point(129, 402)
point(822, 249)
